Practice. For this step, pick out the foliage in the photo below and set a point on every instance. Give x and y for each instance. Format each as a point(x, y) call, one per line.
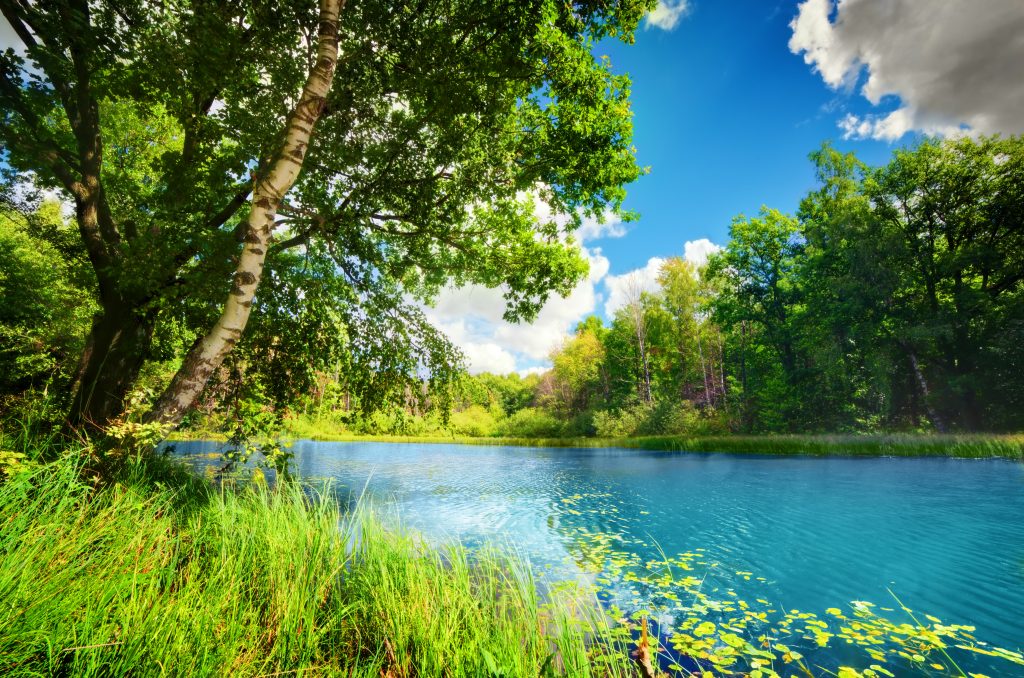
point(892, 300)
point(827, 321)
point(473, 421)
point(663, 418)
point(578, 371)
point(530, 422)
point(621, 423)
point(509, 392)
point(47, 301)
point(444, 123)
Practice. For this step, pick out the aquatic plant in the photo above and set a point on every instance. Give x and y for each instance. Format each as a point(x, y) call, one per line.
point(705, 628)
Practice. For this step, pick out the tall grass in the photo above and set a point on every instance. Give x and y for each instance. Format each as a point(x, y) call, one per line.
point(156, 572)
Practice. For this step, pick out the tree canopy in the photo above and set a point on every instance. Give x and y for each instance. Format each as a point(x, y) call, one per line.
point(415, 137)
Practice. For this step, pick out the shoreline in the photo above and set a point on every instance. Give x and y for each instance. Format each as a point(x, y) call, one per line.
point(962, 446)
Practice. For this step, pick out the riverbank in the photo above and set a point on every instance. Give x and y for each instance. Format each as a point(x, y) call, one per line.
point(968, 446)
point(153, 570)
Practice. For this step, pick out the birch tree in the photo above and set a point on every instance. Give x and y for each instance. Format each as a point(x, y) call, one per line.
point(374, 152)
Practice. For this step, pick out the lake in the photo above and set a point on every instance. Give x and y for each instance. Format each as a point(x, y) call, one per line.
point(944, 535)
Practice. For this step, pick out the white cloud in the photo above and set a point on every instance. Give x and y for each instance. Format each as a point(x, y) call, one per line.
point(609, 226)
point(592, 229)
point(954, 65)
point(892, 126)
point(667, 14)
point(645, 279)
point(698, 251)
point(620, 287)
point(471, 316)
point(487, 357)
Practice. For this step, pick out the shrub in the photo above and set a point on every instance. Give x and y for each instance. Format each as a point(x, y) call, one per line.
point(622, 422)
point(475, 420)
point(667, 417)
point(530, 422)
point(670, 418)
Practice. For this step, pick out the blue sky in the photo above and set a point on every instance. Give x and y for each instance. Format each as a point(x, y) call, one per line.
point(729, 98)
point(725, 116)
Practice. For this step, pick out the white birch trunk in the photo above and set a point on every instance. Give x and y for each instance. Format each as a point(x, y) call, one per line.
point(209, 352)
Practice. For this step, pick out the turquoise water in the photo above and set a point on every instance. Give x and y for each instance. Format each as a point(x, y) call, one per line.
point(945, 535)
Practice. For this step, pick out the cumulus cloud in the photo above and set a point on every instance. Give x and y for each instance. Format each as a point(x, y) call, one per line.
point(489, 357)
point(471, 317)
point(698, 251)
point(667, 14)
point(610, 226)
point(954, 65)
point(622, 287)
point(645, 279)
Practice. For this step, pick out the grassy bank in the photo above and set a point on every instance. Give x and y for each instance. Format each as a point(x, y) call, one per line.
point(1010, 446)
point(153, 571)
point(156, 572)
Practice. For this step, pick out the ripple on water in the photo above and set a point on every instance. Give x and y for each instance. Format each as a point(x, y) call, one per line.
point(944, 534)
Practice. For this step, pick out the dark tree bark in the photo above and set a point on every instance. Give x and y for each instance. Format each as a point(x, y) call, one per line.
point(922, 384)
point(114, 355)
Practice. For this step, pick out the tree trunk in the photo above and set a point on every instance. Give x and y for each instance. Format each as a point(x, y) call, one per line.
point(209, 352)
point(114, 355)
point(937, 421)
point(704, 371)
point(645, 366)
point(721, 371)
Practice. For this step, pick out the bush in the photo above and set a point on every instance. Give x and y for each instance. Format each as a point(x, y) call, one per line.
point(580, 426)
point(530, 422)
point(658, 419)
point(670, 418)
point(475, 420)
point(46, 309)
point(623, 422)
point(394, 422)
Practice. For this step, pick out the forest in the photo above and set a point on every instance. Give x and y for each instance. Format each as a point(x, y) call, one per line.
point(891, 301)
point(145, 276)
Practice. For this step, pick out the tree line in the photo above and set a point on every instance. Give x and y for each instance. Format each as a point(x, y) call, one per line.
point(253, 203)
point(892, 300)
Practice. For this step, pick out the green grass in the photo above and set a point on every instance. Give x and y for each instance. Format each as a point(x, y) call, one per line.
point(975, 445)
point(1010, 446)
point(156, 572)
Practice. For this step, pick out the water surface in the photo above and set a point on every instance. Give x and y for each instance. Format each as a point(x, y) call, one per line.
point(946, 535)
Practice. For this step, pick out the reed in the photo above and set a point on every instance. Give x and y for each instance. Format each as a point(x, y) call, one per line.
point(158, 572)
